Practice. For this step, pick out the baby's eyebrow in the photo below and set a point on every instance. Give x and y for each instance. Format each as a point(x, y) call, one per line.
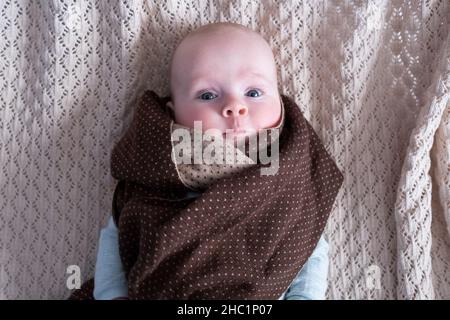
point(258, 75)
point(198, 79)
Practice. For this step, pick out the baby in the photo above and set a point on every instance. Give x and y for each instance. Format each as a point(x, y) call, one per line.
point(223, 75)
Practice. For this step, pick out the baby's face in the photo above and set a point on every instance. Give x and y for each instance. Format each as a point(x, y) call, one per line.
point(227, 79)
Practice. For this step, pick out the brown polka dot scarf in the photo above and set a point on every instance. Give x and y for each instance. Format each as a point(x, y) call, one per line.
point(245, 237)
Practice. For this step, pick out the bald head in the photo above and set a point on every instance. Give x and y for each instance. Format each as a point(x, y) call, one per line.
point(220, 27)
point(216, 36)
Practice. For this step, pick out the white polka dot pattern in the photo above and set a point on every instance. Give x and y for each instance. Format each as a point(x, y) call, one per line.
point(245, 237)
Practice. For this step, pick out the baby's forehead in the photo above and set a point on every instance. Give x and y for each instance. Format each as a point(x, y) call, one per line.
point(223, 34)
point(203, 46)
point(220, 35)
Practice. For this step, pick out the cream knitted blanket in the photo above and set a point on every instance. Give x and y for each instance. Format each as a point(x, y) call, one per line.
point(372, 77)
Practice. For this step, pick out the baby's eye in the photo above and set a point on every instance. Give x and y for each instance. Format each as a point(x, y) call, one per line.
point(206, 96)
point(254, 91)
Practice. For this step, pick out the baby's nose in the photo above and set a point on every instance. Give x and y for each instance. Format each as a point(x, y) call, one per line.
point(234, 111)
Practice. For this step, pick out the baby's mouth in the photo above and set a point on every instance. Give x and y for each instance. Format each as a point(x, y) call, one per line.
point(235, 131)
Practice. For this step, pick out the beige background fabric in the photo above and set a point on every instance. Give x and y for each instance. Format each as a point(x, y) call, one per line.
point(372, 77)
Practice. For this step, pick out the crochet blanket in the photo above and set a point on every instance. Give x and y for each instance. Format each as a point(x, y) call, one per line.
point(371, 77)
point(245, 237)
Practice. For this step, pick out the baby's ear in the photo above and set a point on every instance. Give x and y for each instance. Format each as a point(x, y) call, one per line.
point(170, 105)
point(171, 109)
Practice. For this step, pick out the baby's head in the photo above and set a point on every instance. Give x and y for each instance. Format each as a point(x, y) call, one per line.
point(224, 75)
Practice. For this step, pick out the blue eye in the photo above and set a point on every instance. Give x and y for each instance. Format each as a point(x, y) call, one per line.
point(254, 91)
point(206, 96)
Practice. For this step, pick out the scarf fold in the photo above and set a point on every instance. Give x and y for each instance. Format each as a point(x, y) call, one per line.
point(245, 237)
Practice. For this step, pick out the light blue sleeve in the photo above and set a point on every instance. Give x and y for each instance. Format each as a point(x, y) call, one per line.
point(311, 281)
point(110, 279)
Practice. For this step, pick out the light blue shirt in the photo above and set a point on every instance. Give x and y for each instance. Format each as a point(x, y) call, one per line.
point(110, 280)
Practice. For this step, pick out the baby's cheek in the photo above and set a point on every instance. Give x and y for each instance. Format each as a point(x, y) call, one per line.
point(266, 117)
point(211, 120)
point(188, 116)
point(185, 116)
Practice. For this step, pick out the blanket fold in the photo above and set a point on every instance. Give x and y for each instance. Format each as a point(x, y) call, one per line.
point(245, 237)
